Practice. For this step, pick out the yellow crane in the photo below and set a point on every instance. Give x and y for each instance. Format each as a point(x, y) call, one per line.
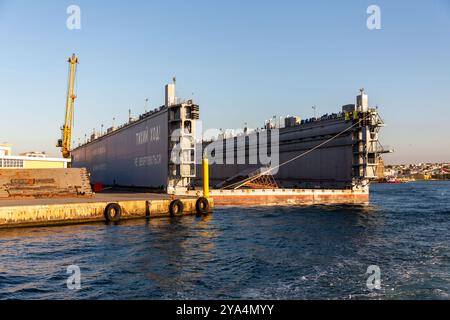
point(66, 140)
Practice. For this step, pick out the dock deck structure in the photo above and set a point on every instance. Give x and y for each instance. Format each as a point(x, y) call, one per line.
point(284, 197)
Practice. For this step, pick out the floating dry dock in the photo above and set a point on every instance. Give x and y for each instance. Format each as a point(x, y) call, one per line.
point(43, 212)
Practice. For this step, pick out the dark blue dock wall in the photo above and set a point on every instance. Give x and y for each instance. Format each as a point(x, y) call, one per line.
point(135, 155)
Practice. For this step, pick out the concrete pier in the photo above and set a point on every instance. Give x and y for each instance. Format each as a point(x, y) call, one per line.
point(44, 212)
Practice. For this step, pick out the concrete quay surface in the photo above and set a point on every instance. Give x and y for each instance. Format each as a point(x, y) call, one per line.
point(43, 212)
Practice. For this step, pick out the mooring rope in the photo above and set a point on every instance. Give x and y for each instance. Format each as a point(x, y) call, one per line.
point(240, 183)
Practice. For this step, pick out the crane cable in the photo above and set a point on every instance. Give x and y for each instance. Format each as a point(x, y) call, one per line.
point(68, 89)
point(240, 183)
point(75, 95)
point(75, 92)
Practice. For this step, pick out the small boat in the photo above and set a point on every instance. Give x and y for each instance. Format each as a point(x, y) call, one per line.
point(394, 181)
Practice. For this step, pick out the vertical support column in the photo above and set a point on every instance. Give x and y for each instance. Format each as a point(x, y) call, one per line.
point(182, 133)
point(205, 175)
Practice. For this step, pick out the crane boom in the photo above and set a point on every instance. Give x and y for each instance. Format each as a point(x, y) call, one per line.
point(66, 130)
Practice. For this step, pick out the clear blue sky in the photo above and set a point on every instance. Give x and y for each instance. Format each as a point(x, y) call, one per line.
point(244, 61)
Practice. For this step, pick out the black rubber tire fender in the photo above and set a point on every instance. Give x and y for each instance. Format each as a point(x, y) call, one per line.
point(202, 206)
point(113, 212)
point(176, 208)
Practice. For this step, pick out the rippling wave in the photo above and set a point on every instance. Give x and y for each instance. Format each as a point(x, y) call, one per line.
point(316, 252)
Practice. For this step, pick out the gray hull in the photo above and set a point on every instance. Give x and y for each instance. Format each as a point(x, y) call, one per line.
point(329, 166)
point(134, 156)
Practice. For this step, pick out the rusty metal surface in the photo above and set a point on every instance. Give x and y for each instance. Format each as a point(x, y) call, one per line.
point(285, 197)
point(44, 183)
